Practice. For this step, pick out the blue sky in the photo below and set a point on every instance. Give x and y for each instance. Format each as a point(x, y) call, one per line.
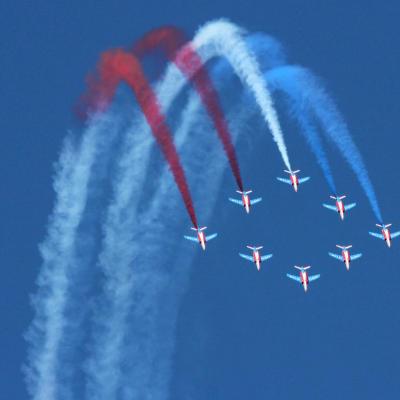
point(240, 334)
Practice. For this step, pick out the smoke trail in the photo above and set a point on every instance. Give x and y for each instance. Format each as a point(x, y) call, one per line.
point(280, 79)
point(116, 259)
point(170, 39)
point(59, 256)
point(116, 66)
point(160, 282)
point(135, 284)
point(333, 125)
point(270, 55)
point(224, 38)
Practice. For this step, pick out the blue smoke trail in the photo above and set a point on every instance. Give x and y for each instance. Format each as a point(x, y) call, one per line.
point(333, 125)
point(280, 79)
point(270, 54)
point(310, 100)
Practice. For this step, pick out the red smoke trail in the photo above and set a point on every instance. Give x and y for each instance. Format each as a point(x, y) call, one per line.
point(116, 66)
point(170, 40)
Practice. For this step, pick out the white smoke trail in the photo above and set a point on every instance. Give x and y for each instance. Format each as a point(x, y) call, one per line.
point(280, 79)
point(122, 218)
point(162, 278)
point(222, 38)
point(124, 242)
point(103, 367)
point(58, 252)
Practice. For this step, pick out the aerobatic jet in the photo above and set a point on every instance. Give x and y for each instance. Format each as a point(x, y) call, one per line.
point(201, 237)
point(256, 258)
point(339, 207)
point(386, 234)
point(294, 180)
point(245, 201)
point(346, 257)
point(303, 277)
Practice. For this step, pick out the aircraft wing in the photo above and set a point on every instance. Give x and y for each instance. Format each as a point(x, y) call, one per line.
point(236, 201)
point(294, 277)
point(266, 257)
point(375, 234)
point(395, 234)
point(329, 207)
point(313, 277)
point(305, 179)
point(349, 206)
point(193, 239)
point(355, 256)
point(246, 257)
point(284, 180)
point(336, 256)
point(211, 237)
point(255, 201)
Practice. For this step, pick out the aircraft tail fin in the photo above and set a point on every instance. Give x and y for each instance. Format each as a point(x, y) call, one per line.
point(255, 247)
point(199, 229)
point(245, 192)
point(344, 247)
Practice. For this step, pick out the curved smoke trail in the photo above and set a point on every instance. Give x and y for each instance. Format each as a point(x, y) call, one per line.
point(118, 250)
point(223, 39)
point(271, 59)
point(310, 101)
point(169, 40)
point(301, 80)
point(116, 66)
point(134, 285)
point(301, 110)
point(153, 374)
point(125, 233)
point(72, 184)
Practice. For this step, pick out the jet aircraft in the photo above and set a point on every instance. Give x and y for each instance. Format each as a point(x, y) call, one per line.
point(245, 201)
point(386, 234)
point(294, 180)
point(256, 258)
point(346, 257)
point(201, 237)
point(340, 207)
point(303, 277)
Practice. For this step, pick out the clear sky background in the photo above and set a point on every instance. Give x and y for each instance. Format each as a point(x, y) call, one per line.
point(241, 334)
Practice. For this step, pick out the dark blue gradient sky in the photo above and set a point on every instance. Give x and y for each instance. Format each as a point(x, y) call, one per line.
point(240, 334)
